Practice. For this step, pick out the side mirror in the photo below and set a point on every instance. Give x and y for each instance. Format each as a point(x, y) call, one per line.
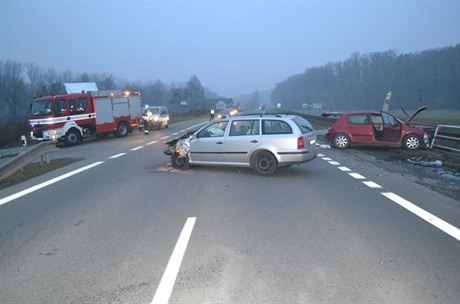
point(193, 136)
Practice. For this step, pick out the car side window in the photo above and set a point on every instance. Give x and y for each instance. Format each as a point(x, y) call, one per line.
point(215, 130)
point(377, 122)
point(360, 119)
point(275, 127)
point(82, 104)
point(61, 106)
point(73, 106)
point(389, 120)
point(244, 127)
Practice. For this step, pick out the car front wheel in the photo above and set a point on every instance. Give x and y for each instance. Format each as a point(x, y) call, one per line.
point(72, 137)
point(412, 142)
point(178, 162)
point(341, 141)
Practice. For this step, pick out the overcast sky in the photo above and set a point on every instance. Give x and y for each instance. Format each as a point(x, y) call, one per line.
point(232, 46)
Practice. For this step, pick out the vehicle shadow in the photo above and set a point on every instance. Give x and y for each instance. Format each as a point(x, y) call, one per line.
point(281, 172)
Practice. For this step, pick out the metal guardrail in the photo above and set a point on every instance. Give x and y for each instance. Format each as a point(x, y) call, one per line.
point(446, 138)
point(20, 161)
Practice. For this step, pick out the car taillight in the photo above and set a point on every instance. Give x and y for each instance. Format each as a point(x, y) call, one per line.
point(300, 143)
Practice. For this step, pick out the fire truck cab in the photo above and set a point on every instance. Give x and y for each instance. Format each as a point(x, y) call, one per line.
point(72, 117)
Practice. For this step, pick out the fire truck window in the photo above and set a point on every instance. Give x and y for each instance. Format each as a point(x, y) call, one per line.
point(82, 104)
point(61, 106)
point(73, 106)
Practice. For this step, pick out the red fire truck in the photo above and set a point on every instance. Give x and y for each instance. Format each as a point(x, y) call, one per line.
point(71, 117)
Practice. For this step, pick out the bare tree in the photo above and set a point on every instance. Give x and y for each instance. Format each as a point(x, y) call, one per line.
point(12, 86)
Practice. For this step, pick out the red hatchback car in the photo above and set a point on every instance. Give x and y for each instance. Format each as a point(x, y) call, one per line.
point(376, 129)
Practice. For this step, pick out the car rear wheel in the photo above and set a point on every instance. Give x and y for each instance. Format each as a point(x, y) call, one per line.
point(341, 141)
point(265, 163)
point(412, 142)
point(122, 130)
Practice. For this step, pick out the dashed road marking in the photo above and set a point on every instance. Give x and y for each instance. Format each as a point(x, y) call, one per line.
point(356, 175)
point(151, 143)
point(345, 169)
point(164, 137)
point(117, 155)
point(175, 133)
point(168, 279)
point(47, 183)
point(137, 148)
point(425, 215)
point(326, 158)
point(371, 184)
point(332, 162)
point(320, 155)
point(182, 131)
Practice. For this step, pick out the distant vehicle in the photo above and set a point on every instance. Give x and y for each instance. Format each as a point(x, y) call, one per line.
point(376, 129)
point(154, 118)
point(71, 117)
point(224, 113)
point(263, 142)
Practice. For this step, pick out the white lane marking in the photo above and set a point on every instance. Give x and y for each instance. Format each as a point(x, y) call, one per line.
point(137, 148)
point(356, 175)
point(325, 146)
point(327, 158)
point(333, 163)
point(117, 155)
point(346, 169)
point(168, 279)
point(182, 131)
point(320, 155)
point(151, 143)
point(164, 137)
point(47, 183)
point(175, 133)
point(189, 128)
point(371, 184)
point(425, 215)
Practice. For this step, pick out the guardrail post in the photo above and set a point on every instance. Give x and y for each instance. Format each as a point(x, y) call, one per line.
point(434, 137)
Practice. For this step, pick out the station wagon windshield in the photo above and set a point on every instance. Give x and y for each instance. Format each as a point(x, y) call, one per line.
point(42, 107)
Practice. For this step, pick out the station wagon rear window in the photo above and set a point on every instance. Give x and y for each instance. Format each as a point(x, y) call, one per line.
point(303, 125)
point(275, 127)
point(360, 119)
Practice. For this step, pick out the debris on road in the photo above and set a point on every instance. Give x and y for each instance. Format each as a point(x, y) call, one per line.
point(420, 162)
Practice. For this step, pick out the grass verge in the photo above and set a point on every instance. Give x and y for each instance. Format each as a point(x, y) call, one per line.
point(34, 170)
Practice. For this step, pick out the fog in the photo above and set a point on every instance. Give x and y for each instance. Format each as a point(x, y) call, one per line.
point(233, 47)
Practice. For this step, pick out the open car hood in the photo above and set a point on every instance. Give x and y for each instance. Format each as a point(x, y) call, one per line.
point(410, 118)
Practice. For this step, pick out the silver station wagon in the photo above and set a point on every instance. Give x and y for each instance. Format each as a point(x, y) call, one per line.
point(263, 142)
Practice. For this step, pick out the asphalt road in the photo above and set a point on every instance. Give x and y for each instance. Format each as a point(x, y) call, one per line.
point(120, 230)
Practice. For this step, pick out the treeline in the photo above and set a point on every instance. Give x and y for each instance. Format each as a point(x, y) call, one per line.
point(430, 78)
point(20, 83)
